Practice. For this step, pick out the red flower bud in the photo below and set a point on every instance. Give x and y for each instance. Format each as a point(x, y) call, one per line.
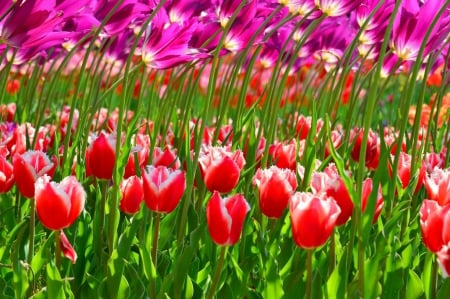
point(28, 167)
point(313, 218)
point(366, 191)
point(438, 186)
point(275, 187)
point(59, 205)
point(163, 188)
point(226, 217)
point(132, 195)
point(221, 168)
point(101, 156)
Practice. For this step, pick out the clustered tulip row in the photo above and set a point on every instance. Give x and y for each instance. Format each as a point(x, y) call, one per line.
point(314, 212)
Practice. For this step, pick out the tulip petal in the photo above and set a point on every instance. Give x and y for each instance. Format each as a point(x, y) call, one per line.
point(67, 248)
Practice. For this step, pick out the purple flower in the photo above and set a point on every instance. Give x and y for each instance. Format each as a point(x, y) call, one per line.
point(411, 24)
point(335, 8)
point(167, 45)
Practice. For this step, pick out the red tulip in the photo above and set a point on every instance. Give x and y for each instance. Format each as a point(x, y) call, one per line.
point(444, 260)
point(333, 185)
point(142, 150)
point(6, 174)
point(59, 205)
point(284, 155)
point(166, 157)
point(132, 194)
point(313, 218)
point(366, 191)
point(28, 167)
point(163, 188)
point(372, 150)
point(101, 156)
point(275, 187)
point(226, 217)
point(432, 224)
point(404, 171)
point(221, 168)
point(437, 185)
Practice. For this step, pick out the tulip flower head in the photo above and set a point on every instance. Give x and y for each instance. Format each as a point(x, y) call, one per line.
point(101, 156)
point(275, 186)
point(333, 185)
point(226, 217)
point(6, 171)
point(221, 168)
point(313, 218)
point(163, 188)
point(366, 191)
point(58, 205)
point(437, 185)
point(28, 167)
point(132, 194)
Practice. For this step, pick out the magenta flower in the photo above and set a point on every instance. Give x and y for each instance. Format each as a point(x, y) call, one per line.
point(336, 8)
point(168, 44)
point(411, 24)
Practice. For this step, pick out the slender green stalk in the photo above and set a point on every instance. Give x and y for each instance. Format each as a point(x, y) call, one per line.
point(58, 249)
point(332, 253)
point(212, 289)
point(104, 192)
point(155, 252)
point(309, 257)
point(433, 281)
point(32, 224)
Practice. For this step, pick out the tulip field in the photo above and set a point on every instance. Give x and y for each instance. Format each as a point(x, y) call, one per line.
point(225, 149)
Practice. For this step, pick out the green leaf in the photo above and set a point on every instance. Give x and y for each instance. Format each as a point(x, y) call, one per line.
point(189, 288)
point(337, 282)
point(414, 287)
point(444, 290)
point(55, 285)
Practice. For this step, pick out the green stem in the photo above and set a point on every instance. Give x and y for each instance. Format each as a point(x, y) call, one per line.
point(104, 186)
point(309, 274)
point(154, 252)
point(32, 220)
point(58, 249)
point(433, 282)
point(332, 253)
point(212, 289)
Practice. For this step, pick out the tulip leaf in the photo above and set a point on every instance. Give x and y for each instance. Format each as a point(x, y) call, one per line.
point(337, 282)
point(55, 285)
point(444, 290)
point(189, 288)
point(414, 286)
point(39, 258)
point(13, 237)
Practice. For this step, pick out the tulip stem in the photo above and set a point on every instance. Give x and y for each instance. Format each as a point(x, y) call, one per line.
point(155, 252)
point(433, 282)
point(32, 221)
point(212, 289)
point(309, 274)
point(58, 249)
point(332, 253)
point(104, 186)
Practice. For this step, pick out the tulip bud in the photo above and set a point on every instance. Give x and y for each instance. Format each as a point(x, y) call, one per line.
point(132, 195)
point(226, 217)
point(437, 185)
point(28, 167)
point(59, 205)
point(221, 168)
point(163, 188)
point(101, 156)
point(275, 187)
point(313, 218)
